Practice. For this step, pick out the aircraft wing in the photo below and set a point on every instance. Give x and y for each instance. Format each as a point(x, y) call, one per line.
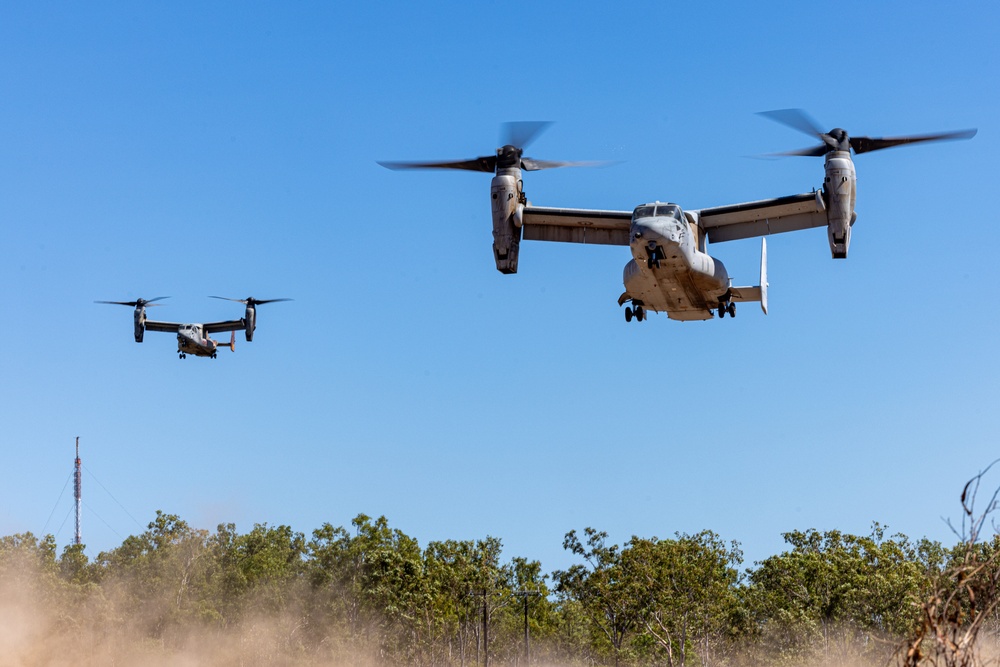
point(228, 325)
point(169, 327)
point(574, 225)
point(761, 218)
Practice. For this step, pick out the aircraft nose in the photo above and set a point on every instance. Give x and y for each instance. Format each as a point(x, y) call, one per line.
point(653, 232)
point(642, 231)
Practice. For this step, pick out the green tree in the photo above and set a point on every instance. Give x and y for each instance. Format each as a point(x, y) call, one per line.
point(600, 588)
point(333, 567)
point(394, 590)
point(685, 591)
point(451, 570)
point(28, 565)
point(265, 565)
point(836, 591)
point(23, 556)
point(73, 565)
point(372, 583)
point(157, 574)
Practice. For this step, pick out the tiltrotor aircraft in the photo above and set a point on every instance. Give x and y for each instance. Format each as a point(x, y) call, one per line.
point(670, 270)
point(193, 338)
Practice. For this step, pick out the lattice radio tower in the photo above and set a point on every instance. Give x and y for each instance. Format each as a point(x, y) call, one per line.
point(78, 492)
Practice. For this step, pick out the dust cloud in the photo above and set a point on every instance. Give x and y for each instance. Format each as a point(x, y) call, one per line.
point(44, 628)
point(46, 622)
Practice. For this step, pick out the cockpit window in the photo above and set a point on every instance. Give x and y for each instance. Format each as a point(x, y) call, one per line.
point(659, 210)
point(671, 210)
point(644, 212)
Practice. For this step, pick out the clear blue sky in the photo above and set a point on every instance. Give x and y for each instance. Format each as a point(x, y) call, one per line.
point(180, 149)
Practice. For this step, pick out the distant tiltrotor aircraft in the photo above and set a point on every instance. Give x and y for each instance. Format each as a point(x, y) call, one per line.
point(193, 338)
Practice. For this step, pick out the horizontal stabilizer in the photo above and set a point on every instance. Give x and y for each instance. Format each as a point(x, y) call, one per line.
point(745, 293)
point(758, 293)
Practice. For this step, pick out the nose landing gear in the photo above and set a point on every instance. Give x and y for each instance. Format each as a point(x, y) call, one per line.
point(654, 256)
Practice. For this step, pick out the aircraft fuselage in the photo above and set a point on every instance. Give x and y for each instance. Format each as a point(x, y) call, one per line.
point(191, 339)
point(669, 271)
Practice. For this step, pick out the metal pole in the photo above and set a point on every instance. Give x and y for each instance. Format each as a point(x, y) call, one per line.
point(486, 630)
point(78, 492)
point(527, 651)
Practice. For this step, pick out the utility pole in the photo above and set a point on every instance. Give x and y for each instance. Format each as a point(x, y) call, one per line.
point(486, 627)
point(78, 491)
point(524, 595)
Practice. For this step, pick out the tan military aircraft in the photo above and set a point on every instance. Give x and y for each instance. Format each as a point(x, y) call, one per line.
point(671, 270)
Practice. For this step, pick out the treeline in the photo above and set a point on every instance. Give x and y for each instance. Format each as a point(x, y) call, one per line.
point(371, 595)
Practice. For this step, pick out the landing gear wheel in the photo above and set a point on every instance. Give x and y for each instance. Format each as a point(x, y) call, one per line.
point(732, 309)
point(722, 311)
point(640, 313)
point(628, 314)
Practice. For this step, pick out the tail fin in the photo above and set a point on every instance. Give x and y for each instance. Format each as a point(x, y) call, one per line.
point(763, 275)
point(232, 341)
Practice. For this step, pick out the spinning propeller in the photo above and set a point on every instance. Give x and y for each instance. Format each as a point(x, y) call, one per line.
point(837, 139)
point(250, 322)
point(515, 137)
point(138, 303)
point(249, 301)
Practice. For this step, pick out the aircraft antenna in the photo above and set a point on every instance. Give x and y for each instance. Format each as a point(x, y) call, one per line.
point(78, 492)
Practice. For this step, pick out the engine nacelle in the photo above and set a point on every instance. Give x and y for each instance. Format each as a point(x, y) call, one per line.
point(839, 191)
point(250, 320)
point(505, 193)
point(140, 323)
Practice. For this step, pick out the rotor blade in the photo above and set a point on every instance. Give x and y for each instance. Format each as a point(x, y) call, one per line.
point(137, 302)
point(868, 144)
point(260, 301)
point(487, 163)
point(531, 164)
point(521, 133)
point(815, 151)
point(797, 119)
point(249, 300)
